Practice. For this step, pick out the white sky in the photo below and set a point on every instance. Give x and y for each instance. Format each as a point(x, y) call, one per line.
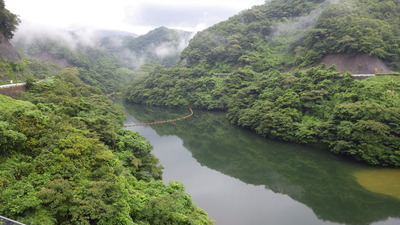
point(136, 16)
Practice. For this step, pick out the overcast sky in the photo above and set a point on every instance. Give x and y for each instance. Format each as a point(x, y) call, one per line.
point(136, 16)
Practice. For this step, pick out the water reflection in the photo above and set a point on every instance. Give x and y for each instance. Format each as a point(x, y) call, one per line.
point(317, 179)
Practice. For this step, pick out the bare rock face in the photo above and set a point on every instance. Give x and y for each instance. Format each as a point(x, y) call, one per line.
point(359, 64)
point(46, 57)
point(7, 50)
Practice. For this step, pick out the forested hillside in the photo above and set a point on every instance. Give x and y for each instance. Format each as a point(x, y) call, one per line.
point(286, 33)
point(65, 159)
point(253, 66)
point(160, 46)
point(97, 66)
point(105, 60)
point(64, 156)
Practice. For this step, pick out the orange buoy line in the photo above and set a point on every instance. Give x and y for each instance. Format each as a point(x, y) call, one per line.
point(159, 122)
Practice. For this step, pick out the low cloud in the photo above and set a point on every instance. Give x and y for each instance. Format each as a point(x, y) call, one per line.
point(187, 18)
point(167, 49)
point(28, 32)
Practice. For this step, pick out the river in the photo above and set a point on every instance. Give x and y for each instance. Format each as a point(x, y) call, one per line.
point(240, 178)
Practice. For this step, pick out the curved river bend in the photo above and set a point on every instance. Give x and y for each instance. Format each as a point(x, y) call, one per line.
point(240, 178)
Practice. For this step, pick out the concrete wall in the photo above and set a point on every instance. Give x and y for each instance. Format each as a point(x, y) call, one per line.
point(13, 91)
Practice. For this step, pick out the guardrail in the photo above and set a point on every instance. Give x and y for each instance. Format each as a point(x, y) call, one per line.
point(388, 74)
point(7, 221)
point(363, 75)
point(12, 85)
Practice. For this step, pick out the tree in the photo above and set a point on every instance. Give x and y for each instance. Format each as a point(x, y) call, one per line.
point(10, 139)
point(8, 21)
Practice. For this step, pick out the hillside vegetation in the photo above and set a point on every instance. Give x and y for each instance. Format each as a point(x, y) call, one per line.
point(106, 59)
point(65, 159)
point(97, 66)
point(286, 33)
point(252, 66)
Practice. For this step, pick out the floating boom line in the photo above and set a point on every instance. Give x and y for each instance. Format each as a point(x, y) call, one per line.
point(160, 122)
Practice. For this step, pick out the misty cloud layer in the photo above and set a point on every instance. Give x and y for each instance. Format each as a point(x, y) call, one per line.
point(138, 16)
point(28, 33)
point(302, 22)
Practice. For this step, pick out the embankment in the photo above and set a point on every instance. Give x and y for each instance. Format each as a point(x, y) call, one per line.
point(12, 90)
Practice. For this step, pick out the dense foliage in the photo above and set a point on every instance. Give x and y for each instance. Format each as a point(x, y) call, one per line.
point(246, 65)
point(65, 159)
point(314, 106)
point(11, 70)
point(359, 119)
point(8, 21)
point(175, 88)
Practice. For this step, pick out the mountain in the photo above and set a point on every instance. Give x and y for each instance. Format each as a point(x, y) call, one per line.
point(53, 51)
point(267, 67)
point(160, 46)
point(106, 58)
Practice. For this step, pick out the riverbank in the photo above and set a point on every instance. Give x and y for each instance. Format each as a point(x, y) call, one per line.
point(238, 176)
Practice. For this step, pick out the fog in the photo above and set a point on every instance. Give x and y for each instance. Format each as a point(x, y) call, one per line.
point(300, 24)
point(28, 33)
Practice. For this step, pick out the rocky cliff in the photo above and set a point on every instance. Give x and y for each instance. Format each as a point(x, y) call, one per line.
point(7, 50)
point(357, 64)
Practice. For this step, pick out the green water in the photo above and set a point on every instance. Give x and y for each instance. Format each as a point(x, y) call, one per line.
point(241, 178)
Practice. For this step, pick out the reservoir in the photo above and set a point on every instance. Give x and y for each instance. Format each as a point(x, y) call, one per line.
point(240, 178)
